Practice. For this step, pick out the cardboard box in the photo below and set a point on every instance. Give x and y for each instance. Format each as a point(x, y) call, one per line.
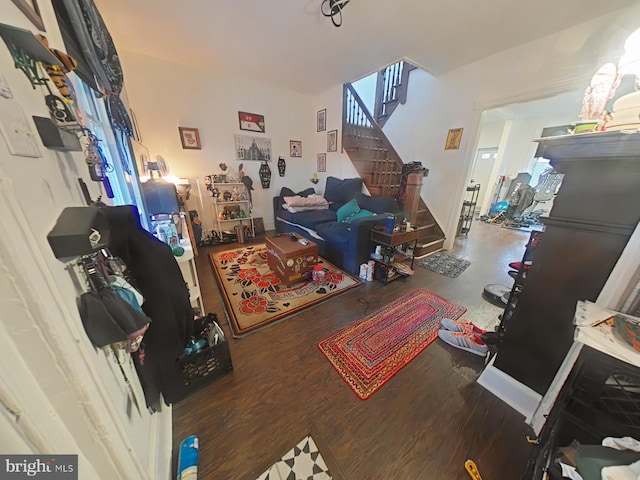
point(291, 261)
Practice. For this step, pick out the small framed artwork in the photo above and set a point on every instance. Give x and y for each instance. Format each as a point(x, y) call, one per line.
point(190, 138)
point(332, 141)
point(322, 120)
point(31, 10)
point(295, 148)
point(453, 139)
point(321, 162)
point(252, 122)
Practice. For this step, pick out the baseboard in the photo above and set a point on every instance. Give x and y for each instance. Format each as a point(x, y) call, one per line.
point(515, 394)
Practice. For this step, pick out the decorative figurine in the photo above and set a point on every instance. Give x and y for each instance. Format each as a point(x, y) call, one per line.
point(265, 174)
point(246, 181)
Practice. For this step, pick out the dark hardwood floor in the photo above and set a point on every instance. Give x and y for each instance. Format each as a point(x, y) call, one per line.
point(423, 424)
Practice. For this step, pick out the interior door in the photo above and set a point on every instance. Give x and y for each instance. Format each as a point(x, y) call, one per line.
point(483, 164)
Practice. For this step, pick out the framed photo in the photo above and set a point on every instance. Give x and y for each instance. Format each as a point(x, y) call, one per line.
point(321, 162)
point(31, 10)
point(332, 141)
point(453, 139)
point(190, 138)
point(253, 148)
point(322, 120)
point(295, 148)
point(252, 122)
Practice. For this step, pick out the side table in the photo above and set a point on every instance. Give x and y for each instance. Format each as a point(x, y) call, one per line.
point(389, 266)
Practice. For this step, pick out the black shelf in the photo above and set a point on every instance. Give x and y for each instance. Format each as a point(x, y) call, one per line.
point(468, 207)
point(519, 281)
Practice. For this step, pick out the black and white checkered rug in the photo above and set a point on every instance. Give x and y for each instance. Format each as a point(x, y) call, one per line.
point(302, 462)
point(445, 264)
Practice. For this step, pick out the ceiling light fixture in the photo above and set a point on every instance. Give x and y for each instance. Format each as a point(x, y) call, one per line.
point(333, 10)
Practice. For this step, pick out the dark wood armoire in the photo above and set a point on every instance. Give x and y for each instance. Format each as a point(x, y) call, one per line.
point(594, 214)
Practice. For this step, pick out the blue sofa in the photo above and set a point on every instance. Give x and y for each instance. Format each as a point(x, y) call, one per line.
point(346, 245)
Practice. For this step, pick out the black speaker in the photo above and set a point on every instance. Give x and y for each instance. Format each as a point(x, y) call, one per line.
point(79, 231)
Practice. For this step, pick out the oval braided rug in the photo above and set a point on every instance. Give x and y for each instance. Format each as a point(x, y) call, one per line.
point(373, 349)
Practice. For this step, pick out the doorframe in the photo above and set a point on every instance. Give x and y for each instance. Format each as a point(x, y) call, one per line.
point(476, 122)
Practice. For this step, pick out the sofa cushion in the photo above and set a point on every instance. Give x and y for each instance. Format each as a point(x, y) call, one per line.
point(342, 191)
point(335, 233)
point(287, 192)
point(362, 213)
point(348, 210)
point(309, 219)
point(300, 204)
point(375, 204)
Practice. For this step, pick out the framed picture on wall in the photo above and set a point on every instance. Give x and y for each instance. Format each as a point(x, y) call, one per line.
point(253, 148)
point(321, 162)
point(322, 120)
point(295, 148)
point(252, 122)
point(453, 139)
point(332, 141)
point(31, 10)
point(190, 138)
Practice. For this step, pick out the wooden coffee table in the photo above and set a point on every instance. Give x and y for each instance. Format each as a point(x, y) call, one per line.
point(291, 260)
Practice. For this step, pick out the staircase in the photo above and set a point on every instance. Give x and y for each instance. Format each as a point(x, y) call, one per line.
point(391, 90)
point(380, 167)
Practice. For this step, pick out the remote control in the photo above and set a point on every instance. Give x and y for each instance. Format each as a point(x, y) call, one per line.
point(303, 241)
point(293, 237)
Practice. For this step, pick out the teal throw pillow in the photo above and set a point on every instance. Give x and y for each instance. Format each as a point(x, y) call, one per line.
point(347, 210)
point(362, 213)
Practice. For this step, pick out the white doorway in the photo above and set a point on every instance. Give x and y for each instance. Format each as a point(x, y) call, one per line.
point(481, 173)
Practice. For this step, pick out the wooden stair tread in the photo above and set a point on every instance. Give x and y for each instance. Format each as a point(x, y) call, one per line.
point(427, 226)
point(431, 241)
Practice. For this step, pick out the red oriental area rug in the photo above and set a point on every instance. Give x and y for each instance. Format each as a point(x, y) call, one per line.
point(373, 349)
point(254, 296)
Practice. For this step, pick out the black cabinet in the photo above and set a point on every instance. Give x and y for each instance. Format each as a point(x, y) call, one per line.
point(593, 216)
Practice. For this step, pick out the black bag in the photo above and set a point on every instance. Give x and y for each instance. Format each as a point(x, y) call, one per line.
point(107, 318)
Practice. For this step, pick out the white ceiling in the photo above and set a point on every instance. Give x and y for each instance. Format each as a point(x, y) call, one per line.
point(558, 104)
point(289, 43)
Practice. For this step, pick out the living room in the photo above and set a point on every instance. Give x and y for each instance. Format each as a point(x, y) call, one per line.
point(169, 85)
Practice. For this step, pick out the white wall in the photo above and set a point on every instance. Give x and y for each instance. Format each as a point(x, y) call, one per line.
point(490, 134)
point(61, 378)
point(338, 163)
point(166, 95)
point(521, 148)
point(366, 89)
point(550, 65)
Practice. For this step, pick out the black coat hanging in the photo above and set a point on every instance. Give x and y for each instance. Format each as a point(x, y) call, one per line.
point(265, 175)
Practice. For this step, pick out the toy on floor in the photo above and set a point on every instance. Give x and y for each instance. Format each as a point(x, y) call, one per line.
point(472, 470)
point(188, 459)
